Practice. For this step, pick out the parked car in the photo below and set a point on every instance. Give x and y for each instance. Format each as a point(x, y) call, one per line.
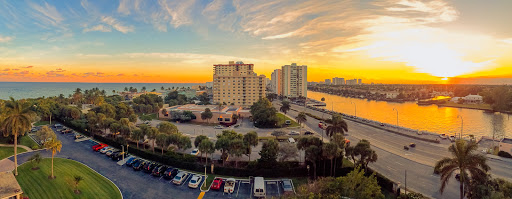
point(194, 181)
point(79, 136)
point(406, 147)
point(170, 173)
point(109, 153)
point(159, 170)
point(229, 185)
point(119, 156)
point(287, 122)
point(218, 127)
point(216, 184)
point(287, 185)
point(308, 133)
point(294, 133)
point(457, 177)
point(105, 149)
point(179, 178)
point(412, 145)
point(99, 146)
point(139, 165)
point(131, 161)
point(195, 152)
point(148, 168)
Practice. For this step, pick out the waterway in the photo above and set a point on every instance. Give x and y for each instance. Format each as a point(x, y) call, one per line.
point(425, 118)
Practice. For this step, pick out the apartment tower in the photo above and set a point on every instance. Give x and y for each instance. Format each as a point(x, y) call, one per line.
point(237, 84)
point(294, 80)
point(276, 82)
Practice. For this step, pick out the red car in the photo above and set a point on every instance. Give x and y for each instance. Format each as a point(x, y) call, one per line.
point(321, 125)
point(98, 147)
point(217, 182)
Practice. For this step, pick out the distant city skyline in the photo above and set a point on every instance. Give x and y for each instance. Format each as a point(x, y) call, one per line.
point(380, 41)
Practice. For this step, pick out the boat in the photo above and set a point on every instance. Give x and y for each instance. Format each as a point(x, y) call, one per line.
point(443, 136)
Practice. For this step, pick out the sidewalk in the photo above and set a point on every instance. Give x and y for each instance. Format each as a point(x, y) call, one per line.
point(21, 146)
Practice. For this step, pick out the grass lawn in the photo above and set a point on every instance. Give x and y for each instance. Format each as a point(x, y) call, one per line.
point(473, 106)
point(41, 123)
point(283, 118)
point(25, 140)
point(151, 115)
point(6, 151)
point(35, 183)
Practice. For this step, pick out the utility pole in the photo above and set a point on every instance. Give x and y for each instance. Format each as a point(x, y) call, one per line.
point(406, 182)
point(396, 117)
point(461, 125)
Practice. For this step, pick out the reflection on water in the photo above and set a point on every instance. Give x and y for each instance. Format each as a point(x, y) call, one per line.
point(430, 118)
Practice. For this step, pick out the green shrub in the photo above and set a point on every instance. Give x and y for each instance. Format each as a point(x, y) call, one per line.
point(35, 147)
point(504, 154)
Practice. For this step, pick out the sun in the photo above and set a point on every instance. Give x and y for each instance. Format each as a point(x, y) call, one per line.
point(444, 78)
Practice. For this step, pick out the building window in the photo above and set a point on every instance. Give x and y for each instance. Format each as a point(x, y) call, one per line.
point(219, 119)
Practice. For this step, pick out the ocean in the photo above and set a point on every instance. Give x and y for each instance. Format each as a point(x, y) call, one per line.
point(23, 90)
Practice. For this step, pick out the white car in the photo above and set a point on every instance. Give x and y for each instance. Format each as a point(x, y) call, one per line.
point(179, 178)
point(294, 133)
point(229, 185)
point(195, 152)
point(194, 181)
point(105, 149)
point(218, 127)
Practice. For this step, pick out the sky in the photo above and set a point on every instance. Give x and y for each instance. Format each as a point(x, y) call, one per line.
point(163, 41)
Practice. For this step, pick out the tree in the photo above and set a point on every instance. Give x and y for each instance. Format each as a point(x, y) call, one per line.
point(77, 179)
point(207, 115)
point(264, 114)
point(285, 107)
point(268, 152)
point(349, 153)
point(55, 146)
point(357, 185)
point(338, 125)
point(75, 113)
point(250, 140)
point(162, 140)
point(137, 135)
point(16, 123)
point(206, 146)
point(167, 128)
point(223, 144)
point(152, 133)
point(287, 151)
point(35, 160)
point(301, 118)
point(183, 142)
point(323, 99)
point(365, 153)
point(45, 133)
point(237, 149)
point(313, 153)
point(278, 133)
point(341, 142)
point(115, 128)
point(465, 160)
point(199, 139)
point(330, 151)
point(132, 118)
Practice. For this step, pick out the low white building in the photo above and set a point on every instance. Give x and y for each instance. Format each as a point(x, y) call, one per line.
point(473, 99)
point(392, 95)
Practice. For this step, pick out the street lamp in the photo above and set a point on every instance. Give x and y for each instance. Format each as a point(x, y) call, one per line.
point(461, 125)
point(355, 108)
point(308, 172)
point(396, 117)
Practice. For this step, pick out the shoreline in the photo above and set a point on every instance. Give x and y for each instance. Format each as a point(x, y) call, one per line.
point(474, 108)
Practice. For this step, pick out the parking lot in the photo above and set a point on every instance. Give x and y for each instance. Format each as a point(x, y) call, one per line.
point(124, 174)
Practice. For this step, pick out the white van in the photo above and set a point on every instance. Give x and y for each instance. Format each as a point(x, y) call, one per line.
point(291, 140)
point(259, 187)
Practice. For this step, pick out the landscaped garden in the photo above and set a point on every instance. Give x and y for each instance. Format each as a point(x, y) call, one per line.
point(6, 151)
point(282, 119)
point(36, 184)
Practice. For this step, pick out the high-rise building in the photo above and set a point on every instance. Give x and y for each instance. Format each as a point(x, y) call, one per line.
point(352, 82)
point(359, 81)
point(295, 80)
point(237, 84)
point(327, 81)
point(338, 81)
point(276, 82)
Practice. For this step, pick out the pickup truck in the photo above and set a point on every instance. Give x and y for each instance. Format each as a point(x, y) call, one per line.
point(229, 186)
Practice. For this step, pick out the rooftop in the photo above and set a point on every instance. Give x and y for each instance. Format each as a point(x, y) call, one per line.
point(8, 185)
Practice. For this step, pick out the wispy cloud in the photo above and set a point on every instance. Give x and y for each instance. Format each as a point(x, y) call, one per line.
point(117, 25)
point(4, 39)
point(100, 28)
point(47, 14)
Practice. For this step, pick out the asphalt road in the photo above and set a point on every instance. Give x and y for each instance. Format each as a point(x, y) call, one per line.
point(393, 161)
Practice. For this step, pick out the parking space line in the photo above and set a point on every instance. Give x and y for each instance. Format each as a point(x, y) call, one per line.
point(238, 188)
point(278, 192)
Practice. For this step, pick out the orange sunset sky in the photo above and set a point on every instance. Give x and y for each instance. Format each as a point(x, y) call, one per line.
point(161, 41)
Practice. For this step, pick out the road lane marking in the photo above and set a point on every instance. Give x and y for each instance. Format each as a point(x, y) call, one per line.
point(201, 195)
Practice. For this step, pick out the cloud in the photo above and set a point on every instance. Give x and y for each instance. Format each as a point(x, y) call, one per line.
point(120, 74)
point(100, 28)
point(47, 14)
point(60, 70)
point(80, 55)
point(191, 58)
point(5, 39)
point(28, 67)
point(6, 69)
point(54, 74)
point(117, 25)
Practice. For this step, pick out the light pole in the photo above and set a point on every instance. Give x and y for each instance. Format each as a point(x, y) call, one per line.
point(308, 172)
point(355, 108)
point(461, 125)
point(396, 117)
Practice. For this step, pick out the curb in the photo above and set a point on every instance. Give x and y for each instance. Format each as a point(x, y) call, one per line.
point(23, 153)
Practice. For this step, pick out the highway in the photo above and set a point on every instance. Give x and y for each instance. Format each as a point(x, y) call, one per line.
point(393, 160)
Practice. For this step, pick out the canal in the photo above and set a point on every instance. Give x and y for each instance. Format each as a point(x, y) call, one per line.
point(426, 118)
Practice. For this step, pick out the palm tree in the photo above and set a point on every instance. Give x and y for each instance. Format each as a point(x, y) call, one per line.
point(35, 160)
point(466, 161)
point(338, 125)
point(137, 135)
point(285, 107)
point(16, 122)
point(301, 118)
point(76, 180)
point(55, 146)
point(330, 151)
